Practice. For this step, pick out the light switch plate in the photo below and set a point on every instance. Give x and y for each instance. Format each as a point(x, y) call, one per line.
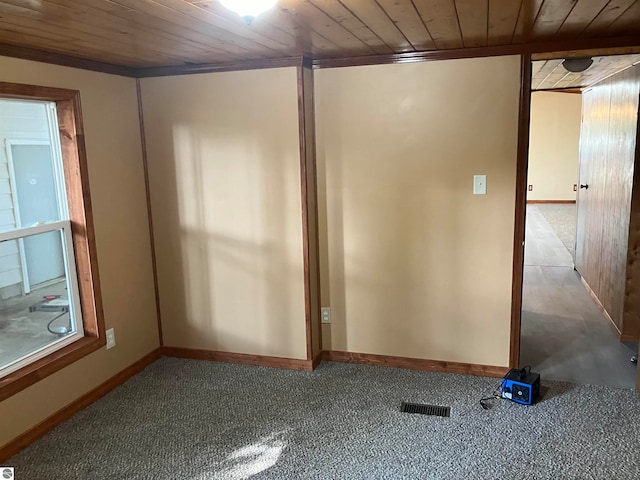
point(111, 339)
point(479, 184)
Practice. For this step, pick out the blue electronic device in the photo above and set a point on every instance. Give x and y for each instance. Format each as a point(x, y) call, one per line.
point(521, 386)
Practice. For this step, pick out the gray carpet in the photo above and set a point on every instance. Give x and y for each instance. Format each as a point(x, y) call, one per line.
point(562, 218)
point(197, 420)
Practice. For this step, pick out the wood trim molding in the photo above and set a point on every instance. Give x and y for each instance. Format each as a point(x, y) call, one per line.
point(304, 191)
point(240, 358)
point(543, 50)
point(476, 52)
point(76, 173)
point(219, 67)
point(574, 90)
point(36, 92)
point(10, 449)
point(87, 64)
point(309, 204)
point(522, 162)
point(65, 60)
point(313, 175)
point(555, 202)
point(415, 363)
point(152, 243)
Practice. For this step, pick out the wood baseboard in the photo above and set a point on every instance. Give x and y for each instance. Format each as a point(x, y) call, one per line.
point(241, 358)
point(10, 449)
point(558, 202)
point(415, 363)
point(600, 306)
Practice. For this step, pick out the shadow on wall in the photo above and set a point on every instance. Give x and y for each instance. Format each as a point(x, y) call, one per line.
point(229, 278)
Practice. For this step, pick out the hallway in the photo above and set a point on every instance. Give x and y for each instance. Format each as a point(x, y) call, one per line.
point(565, 336)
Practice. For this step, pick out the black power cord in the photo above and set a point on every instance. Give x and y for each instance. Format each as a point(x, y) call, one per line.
point(60, 332)
point(483, 401)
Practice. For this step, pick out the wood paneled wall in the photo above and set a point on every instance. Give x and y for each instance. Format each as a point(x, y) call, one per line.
point(608, 151)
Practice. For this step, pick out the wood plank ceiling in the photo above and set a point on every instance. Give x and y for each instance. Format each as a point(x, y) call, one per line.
point(550, 74)
point(148, 33)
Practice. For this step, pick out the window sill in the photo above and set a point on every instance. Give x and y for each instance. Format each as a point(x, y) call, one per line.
point(27, 376)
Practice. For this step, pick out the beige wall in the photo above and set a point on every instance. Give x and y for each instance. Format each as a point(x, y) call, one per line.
point(413, 264)
point(554, 145)
point(122, 236)
point(224, 164)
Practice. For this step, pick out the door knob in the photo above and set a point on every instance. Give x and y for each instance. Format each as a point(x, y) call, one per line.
point(584, 186)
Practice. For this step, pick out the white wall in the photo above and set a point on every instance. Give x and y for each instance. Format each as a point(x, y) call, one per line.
point(554, 145)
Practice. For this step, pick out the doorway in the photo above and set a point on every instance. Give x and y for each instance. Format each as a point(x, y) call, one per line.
point(567, 330)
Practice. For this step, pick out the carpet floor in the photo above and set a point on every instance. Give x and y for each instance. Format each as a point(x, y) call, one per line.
point(198, 420)
point(562, 218)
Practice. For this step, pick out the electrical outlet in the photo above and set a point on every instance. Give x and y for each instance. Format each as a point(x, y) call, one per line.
point(326, 315)
point(111, 338)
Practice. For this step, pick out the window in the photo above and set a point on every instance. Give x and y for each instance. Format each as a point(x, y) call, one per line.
point(50, 308)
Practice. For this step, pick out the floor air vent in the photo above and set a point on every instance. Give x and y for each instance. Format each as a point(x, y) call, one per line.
point(423, 409)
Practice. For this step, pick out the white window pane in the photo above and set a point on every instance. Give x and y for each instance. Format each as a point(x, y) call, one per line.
point(45, 317)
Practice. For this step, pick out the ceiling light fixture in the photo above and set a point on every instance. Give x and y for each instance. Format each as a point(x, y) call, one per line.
point(249, 9)
point(577, 65)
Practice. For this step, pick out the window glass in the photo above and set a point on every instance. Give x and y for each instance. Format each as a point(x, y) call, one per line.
point(46, 316)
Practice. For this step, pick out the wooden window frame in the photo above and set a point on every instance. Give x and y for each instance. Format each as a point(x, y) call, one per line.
point(74, 159)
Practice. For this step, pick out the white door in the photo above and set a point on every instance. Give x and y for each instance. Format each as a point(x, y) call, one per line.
point(37, 201)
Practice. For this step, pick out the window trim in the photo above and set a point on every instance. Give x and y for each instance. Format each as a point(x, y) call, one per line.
point(74, 160)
